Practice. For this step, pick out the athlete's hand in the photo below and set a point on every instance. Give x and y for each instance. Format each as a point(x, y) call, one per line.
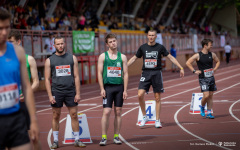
point(52, 100)
point(77, 98)
point(21, 97)
point(103, 93)
point(198, 72)
point(181, 73)
point(125, 95)
point(34, 131)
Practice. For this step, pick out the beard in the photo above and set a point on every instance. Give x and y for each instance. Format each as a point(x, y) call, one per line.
point(60, 52)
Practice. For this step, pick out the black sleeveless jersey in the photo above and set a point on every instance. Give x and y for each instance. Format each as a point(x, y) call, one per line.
point(205, 62)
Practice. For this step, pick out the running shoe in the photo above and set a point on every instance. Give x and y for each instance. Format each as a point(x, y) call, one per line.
point(143, 122)
point(158, 124)
point(103, 142)
point(55, 145)
point(210, 116)
point(202, 111)
point(117, 141)
point(79, 143)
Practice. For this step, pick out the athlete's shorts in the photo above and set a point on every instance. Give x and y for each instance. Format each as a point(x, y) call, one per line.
point(207, 84)
point(66, 98)
point(24, 110)
point(151, 77)
point(13, 130)
point(114, 93)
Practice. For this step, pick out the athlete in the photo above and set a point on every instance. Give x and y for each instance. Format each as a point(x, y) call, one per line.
point(152, 53)
point(113, 81)
point(62, 67)
point(205, 73)
point(13, 75)
point(15, 38)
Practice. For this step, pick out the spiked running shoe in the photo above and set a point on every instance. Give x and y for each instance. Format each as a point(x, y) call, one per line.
point(55, 145)
point(210, 116)
point(202, 111)
point(103, 142)
point(143, 122)
point(158, 124)
point(79, 143)
point(117, 141)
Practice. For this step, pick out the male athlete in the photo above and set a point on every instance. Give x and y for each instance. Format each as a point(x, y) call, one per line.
point(13, 75)
point(152, 53)
point(15, 38)
point(205, 73)
point(62, 67)
point(113, 81)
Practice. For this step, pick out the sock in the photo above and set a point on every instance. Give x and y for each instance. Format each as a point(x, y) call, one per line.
point(115, 135)
point(55, 135)
point(104, 136)
point(208, 111)
point(145, 116)
point(76, 135)
point(203, 107)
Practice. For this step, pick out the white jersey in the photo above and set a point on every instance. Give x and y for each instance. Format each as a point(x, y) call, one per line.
point(227, 48)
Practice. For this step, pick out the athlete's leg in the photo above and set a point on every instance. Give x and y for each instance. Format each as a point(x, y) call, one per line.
point(55, 121)
point(210, 100)
point(74, 118)
point(22, 147)
point(205, 98)
point(117, 120)
point(141, 93)
point(158, 104)
point(105, 120)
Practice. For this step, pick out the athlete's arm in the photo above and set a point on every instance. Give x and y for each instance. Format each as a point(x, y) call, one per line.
point(125, 77)
point(100, 76)
point(77, 80)
point(132, 60)
point(173, 60)
point(28, 93)
point(189, 62)
point(47, 76)
point(215, 58)
point(34, 74)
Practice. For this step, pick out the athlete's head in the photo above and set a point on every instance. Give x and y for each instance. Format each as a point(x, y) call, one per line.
point(152, 35)
point(111, 41)
point(59, 44)
point(207, 43)
point(5, 18)
point(14, 37)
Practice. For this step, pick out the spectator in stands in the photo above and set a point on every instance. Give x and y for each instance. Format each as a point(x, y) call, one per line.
point(67, 23)
point(60, 24)
point(49, 42)
point(36, 26)
point(227, 49)
point(81, 22)
point(16, 23)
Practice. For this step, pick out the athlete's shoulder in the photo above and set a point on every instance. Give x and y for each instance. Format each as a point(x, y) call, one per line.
point(19, 51)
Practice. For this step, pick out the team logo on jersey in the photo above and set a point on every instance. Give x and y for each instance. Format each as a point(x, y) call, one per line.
point(118, 64)
point(152, 54)
point(209, 57)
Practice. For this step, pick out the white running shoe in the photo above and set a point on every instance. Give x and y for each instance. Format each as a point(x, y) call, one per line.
point(103, 142)
point(158, 124)
point(143, 122)
point(117, 141)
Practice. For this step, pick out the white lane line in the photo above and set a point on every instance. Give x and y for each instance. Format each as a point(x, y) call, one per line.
point(50, 132)
point(172, 96)
point(99, 97)
point(230, 110)
point(184, 129)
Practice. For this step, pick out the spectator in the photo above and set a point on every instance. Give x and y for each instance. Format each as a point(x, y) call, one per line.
point(228, 49)
point(16, 23)
point(49, 42)
point(81, 22)
point(36, 26)
point(173, 52)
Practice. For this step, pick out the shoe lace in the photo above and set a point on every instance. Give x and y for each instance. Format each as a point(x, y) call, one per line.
point(103, 139)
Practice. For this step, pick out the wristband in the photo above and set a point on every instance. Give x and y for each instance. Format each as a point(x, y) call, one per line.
point(194, 71)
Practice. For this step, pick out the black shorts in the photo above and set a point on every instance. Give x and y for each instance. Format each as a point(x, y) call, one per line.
point(114, 93)
point(207, 84)
point(24, 110)
point(13, 130)
point(151, 77)
point(67, 98)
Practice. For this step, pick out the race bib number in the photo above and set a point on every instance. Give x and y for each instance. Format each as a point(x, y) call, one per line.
point(114, 72)
point(9, 96)
point(63, 70)
point(150, 63)
point(208, 72)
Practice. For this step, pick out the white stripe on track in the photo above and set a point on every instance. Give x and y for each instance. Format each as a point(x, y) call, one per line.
point(184, 129)
point(230, 110)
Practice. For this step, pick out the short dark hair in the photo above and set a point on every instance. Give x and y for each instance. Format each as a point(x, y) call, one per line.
point(4, 14)
point(16, 34)
point(153, 31)
point(205, 42)
point(110, 35)
point(172, 45)
point(57, 38)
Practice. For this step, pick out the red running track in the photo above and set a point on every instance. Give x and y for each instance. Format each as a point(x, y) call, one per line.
point(181, 130)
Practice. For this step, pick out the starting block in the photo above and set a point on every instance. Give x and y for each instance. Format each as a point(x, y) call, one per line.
point(150, 106)
point(196, 103)
point(84, 134)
